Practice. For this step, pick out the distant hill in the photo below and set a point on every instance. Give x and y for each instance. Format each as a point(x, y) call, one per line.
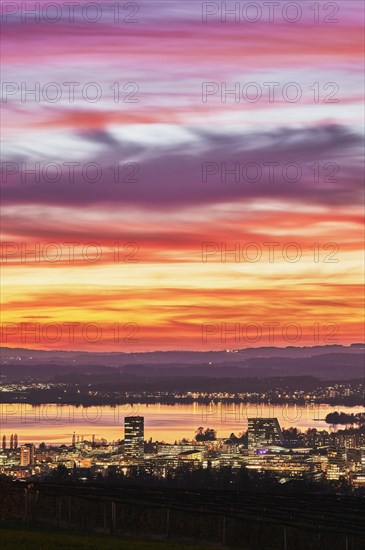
point(326, 362)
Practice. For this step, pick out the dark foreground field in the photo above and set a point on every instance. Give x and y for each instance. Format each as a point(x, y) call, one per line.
point(179, 518)
point(21, 539)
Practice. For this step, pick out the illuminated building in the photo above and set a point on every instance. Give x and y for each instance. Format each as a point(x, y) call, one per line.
point(336, 463)
point(27, 454)
point(174, 450)
point(195, 455)
point(134, 437)
point(358, 479)
point(262, 432)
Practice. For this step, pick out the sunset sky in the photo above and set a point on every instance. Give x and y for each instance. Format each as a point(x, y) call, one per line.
point(140, 259)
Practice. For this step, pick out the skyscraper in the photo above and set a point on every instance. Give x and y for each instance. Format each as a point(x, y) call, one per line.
point(27, 454)
point(15, 441)
point(4, 442)
point(134, 437)
point(263, 431)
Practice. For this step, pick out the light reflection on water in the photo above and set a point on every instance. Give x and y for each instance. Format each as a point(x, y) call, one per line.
point(56, 423)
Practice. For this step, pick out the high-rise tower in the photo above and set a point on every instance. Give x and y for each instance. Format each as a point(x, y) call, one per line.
point(134, 437)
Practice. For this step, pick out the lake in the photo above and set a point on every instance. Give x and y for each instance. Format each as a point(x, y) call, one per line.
point(56, 423)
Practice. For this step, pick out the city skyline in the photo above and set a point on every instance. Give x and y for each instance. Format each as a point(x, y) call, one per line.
point(314, 454)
